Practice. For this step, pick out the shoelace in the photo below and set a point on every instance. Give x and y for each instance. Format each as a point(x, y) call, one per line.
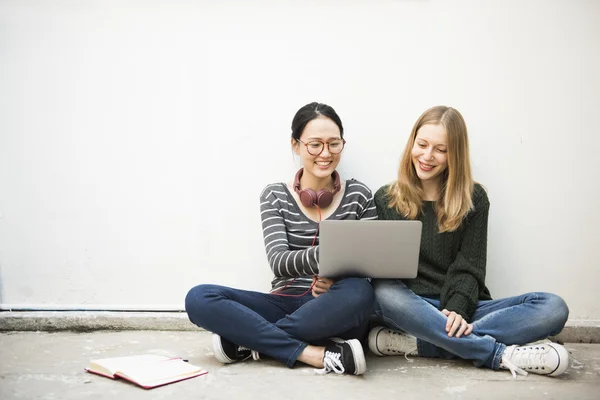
point(255, 355)
point(531, 355)
point(397, 343)
point(331, 362)
point(507, 360)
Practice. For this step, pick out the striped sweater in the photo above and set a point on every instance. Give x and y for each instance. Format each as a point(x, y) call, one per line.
point(289, 234)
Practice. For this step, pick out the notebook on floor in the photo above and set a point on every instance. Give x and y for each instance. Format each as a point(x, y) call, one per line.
point(147, 370)
point(374, 249)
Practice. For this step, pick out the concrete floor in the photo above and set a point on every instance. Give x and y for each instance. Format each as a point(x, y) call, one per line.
point(37, 365)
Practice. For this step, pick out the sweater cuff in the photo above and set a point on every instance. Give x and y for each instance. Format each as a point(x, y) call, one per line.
point(459, 304)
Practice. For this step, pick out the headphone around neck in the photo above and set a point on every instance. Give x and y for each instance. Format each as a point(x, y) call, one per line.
point(322, 198)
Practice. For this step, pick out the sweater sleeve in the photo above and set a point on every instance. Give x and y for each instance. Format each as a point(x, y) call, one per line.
point(466, 275)
point(369, 210)
point(283, 261)
point(382, 204)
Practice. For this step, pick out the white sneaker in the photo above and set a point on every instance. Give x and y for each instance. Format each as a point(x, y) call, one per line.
point(539, 358)
point(388, 342)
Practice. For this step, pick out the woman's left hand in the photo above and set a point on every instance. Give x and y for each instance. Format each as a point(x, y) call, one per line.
point(456, 324)
point(321, 285)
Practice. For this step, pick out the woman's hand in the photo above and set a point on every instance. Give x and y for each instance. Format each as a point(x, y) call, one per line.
point(456, 324)
point(321, 285)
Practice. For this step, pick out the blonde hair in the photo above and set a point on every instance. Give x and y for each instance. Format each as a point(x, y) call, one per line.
point(455, 200)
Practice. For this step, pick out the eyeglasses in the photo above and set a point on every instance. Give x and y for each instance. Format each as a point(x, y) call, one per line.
point(315, 147)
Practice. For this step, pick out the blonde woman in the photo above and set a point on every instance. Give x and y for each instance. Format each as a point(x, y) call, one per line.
point(447, 310)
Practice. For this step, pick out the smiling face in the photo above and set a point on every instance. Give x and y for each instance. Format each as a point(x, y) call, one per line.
point(319, 129)
point(429, 152)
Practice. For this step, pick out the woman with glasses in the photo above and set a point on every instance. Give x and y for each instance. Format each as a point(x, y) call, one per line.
point(447, 310)
point(297, 320)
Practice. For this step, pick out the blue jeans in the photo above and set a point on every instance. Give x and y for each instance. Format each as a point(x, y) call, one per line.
point(496, 323)
point(281, 326)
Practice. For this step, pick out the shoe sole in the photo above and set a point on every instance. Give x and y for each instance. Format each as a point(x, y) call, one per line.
point(373, 340)
point(360, 364)
point(218, 350)
point(563, 359)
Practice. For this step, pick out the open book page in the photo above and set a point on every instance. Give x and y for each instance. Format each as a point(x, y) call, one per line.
point(160, 373)
point(110, 366)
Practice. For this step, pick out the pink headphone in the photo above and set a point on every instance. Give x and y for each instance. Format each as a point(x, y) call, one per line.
point(322, 198)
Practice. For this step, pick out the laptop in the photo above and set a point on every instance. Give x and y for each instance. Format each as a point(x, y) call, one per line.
point(374, 249)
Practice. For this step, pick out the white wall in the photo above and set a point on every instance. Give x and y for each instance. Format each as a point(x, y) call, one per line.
point(135, 136)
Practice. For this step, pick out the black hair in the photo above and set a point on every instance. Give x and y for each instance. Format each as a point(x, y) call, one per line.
point(311, 111)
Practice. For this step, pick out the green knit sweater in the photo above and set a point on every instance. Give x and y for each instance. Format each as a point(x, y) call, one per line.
point(451, 264)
